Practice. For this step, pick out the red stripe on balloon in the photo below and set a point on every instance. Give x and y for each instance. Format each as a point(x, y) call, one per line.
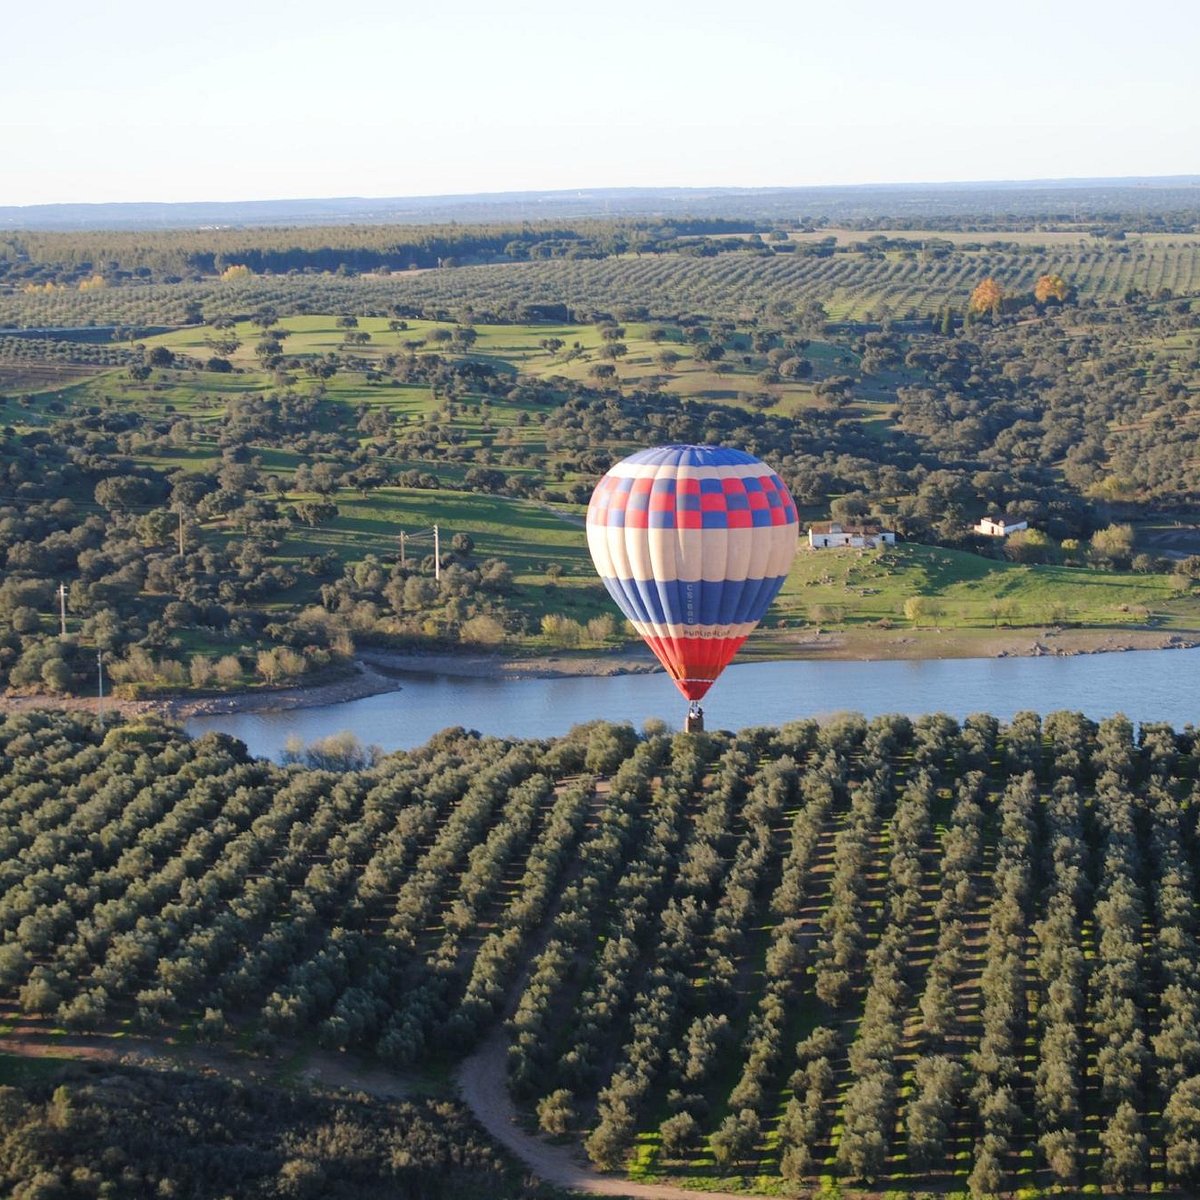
point(694, 663)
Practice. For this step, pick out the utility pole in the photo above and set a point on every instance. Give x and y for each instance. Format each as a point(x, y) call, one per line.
point(62, 609)
point(180, 512)
point(437, 554)
point(100, 685)
point(403, 555)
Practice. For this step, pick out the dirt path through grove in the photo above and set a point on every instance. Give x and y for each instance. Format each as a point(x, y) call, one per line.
point(483, 1086)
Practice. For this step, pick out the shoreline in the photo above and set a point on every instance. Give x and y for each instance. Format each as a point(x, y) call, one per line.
point(377, 672)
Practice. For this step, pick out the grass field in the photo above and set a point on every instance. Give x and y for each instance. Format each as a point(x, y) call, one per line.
point(965, 591)
point(517, 349)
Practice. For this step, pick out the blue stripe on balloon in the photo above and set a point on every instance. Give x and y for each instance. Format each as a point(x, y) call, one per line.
point(704, 602)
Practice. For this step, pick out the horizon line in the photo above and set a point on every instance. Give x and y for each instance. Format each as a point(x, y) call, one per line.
point(636, 189)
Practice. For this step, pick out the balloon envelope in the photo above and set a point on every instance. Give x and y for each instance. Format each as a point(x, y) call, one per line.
point(693, 543)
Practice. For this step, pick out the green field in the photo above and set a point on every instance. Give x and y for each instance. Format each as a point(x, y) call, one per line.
point(966, 591)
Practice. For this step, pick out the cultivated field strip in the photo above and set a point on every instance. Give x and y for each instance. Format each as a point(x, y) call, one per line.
point(898, 953)
point(736, 285)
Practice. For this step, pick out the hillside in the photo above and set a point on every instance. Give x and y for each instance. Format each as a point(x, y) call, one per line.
point(219, 470)
point(895, 955)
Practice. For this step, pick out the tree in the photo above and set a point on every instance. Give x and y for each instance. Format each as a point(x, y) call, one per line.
point(679, 1134)
point(200, 670)
point(556, 1112)
point(1181, 1118)
point(849, 508)
point(1061, 1148)
point(316, 512)
point(1050, 287)
point(987, 1175)
point(987, 297)
point(837, 389)
point(1030, 546)
point(1113, 544)
point(118, 493)
point(735, 1140)
point(920, 609)
point(56, 675)
point(1124, 1146)
point(483, 630)
point(610, 1141)
point(25, 619)
point(228, 670)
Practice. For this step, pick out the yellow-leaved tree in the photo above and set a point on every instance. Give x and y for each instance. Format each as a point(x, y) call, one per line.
point(1050, 287)
point(987, 296)
point(236, 272)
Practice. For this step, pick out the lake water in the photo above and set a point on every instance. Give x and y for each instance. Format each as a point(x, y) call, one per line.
point(1148, 685)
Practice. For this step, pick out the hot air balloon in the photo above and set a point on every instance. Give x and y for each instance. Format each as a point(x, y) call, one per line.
point(693, 543)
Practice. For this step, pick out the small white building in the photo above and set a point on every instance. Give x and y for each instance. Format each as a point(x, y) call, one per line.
point(1000, 526)
point(826, 534)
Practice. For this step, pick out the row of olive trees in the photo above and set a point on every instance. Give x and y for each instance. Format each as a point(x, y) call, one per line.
point(498, 958)
point(996, 1063)
point(605, 1002)
point(620, 824)
point(869, 1108)
point(660, 1003)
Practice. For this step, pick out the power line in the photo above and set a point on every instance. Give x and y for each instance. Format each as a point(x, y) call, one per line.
point(423, 535)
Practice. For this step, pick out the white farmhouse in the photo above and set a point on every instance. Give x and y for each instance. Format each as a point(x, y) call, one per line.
point(1000, 526)
point(822, 535)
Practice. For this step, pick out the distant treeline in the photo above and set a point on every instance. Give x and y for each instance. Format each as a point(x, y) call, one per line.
point(1102, 221)
point(172, 255)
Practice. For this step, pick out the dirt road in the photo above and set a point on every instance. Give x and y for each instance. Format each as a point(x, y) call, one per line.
point(483, 1085)
point(317, 1067)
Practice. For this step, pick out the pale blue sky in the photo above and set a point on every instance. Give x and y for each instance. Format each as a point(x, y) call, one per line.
point(139, 100)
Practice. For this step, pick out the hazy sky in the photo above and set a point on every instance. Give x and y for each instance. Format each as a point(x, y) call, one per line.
point(133, 100)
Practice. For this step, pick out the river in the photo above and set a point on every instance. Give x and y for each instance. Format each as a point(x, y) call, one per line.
point(1147, 685)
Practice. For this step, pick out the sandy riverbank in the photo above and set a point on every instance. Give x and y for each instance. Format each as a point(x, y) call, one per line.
point(379, 671)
